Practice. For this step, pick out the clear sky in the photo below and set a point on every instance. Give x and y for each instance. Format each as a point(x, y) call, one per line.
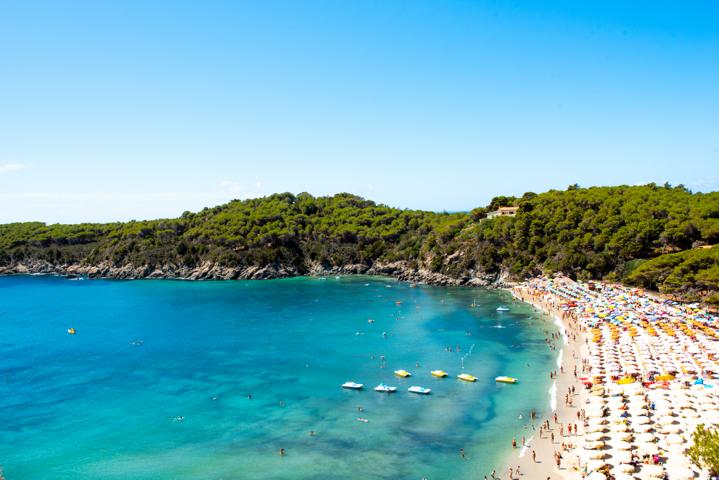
point(121, 110)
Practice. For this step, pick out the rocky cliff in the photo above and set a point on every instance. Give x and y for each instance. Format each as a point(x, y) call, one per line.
point(211, 271)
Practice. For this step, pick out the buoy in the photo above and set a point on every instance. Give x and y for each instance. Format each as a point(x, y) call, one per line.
point(71, 331)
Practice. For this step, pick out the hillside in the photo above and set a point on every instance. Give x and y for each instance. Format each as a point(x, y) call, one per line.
point(599, 232)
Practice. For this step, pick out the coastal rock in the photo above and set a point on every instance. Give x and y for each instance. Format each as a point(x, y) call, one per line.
point(213, 271)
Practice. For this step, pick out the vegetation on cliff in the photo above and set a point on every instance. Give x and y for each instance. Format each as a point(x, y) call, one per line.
point(692, 274)
point(599, 232)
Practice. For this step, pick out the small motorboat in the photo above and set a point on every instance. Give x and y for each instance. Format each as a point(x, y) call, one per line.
point(402, 373)
point(362, 419)
point(439, 373)
point(71, 331)
point(385, 388)
point(421, 390)
point(503, 379)
point(502, 309)
point(467, 377)
point(352, 385)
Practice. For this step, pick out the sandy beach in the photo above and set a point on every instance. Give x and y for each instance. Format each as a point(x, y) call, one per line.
point(536, 459)
point(635, 377)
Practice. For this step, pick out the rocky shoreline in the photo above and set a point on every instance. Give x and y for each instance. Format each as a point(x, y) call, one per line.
point(213, 271)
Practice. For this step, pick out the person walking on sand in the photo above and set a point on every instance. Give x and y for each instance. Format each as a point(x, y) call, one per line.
point(514, 443)
point(511, 474)
point(534, 456)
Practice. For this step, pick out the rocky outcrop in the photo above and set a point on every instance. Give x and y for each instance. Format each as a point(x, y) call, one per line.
point(212, 271)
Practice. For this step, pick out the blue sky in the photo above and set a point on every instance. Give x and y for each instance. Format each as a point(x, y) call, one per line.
point(122, 110)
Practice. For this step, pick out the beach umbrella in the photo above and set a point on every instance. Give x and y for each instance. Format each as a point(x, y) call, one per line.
point(654, 471)
point(647, 448)
point(595, 476)
point(621, 445)
point(626, 436)
point(594, 465)
point(682, 473)
point(672, 429)
point(596, 413)
point(675, 449)
point(621, 457)
point(674, 439)
point(594, 437)
point(595, 428)
point(625, 468)
point(667, 420)
point(640, 420)
point(646, 437)
point(597, 455)
point(643, 428)
point(620, 428)
point(624, 476)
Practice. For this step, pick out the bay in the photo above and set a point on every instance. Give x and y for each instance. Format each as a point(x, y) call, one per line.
point(175, 379)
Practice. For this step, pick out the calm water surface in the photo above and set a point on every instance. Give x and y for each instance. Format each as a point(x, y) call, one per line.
point(155, 383)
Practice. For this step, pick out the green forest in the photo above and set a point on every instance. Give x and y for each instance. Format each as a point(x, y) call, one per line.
point(651, 236)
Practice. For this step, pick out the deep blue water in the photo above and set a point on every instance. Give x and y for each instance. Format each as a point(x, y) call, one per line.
point(156, 382)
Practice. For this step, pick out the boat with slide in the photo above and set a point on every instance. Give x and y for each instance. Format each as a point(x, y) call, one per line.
point(503, 379)
point(352, 385)
point(402, 373)
point(467, 377)
point(420, 390)
point(385, 388)
point(502, 309)
point(438, 373)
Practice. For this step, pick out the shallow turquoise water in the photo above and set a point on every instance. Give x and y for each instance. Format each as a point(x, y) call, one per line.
point(105, 402)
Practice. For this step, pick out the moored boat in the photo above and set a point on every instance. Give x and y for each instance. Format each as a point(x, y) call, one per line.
point(402, 373)
point(352, 385)
point(420, 390)
point(504, 379)
point(502, 309)
point(467, 377)
point(385, 388)
point(438, 373)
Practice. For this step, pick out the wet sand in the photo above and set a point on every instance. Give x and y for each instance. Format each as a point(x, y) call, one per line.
point(571, 349)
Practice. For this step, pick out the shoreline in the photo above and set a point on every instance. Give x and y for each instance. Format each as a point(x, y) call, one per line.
point(398, 270)
point(571, 352)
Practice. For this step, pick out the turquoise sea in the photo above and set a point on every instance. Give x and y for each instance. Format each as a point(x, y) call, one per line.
point(155, 384)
